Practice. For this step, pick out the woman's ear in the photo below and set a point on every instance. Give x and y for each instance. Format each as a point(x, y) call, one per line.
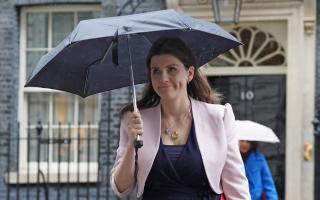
point(191, 73)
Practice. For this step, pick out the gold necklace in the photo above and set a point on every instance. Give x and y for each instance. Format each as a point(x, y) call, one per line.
point(174, 134)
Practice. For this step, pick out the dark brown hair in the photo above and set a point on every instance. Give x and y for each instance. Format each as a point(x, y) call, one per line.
point(198, 88)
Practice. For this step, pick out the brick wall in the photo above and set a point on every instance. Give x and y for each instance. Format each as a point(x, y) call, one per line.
point(9, 35)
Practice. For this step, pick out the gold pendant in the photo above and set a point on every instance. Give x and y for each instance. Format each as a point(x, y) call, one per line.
point(174, 135)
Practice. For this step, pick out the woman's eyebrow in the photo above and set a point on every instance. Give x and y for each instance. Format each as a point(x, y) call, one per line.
point(169, 65)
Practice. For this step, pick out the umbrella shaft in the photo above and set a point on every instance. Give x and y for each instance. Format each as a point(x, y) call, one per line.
point(134, 98)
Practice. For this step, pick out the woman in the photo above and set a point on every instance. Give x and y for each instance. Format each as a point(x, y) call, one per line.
point(190, 150)
point(258, 173)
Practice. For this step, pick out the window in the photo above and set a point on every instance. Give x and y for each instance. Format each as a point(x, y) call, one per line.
point(263, 50)
point(69, 123)
point(260, 48)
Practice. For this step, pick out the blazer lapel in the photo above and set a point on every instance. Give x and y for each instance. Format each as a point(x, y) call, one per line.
point(208, 133)
point(151, 140)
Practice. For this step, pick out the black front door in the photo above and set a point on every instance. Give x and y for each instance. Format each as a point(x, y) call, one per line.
point(260, 99)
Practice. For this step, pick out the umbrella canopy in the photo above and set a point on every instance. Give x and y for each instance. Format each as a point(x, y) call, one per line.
point(252, 131)
point(98, 55)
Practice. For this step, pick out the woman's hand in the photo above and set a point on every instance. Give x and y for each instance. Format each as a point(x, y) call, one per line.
point(124, 170)
point(135, 126)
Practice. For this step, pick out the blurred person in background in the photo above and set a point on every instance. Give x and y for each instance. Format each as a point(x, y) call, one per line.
point(257, 171)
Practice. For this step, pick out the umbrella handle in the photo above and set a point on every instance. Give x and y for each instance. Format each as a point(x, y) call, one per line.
point(138, 142)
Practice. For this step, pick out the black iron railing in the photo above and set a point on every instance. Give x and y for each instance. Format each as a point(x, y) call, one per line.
point(53, 164)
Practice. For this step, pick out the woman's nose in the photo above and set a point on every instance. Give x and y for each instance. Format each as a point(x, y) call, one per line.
point(164, 77)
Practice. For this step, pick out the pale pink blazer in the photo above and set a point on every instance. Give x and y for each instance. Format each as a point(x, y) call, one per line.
point(218, 144)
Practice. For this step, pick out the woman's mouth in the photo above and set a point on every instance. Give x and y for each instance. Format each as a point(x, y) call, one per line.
point(164, 86)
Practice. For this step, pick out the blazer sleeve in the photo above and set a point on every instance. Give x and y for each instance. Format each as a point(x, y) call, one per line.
point(234, 182)
point(120, 152)
point(269, 188)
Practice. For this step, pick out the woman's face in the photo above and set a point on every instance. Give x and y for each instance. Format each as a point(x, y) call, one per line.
point(244, 146)
point(169, 77)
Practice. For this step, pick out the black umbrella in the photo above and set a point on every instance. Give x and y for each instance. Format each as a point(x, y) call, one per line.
point(95, 57)
point(108, 53)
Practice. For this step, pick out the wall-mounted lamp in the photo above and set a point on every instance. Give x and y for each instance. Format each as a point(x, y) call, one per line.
point(226, 11)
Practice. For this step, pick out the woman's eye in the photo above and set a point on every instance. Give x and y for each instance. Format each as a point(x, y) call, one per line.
point(172, 69)
point(155, 71)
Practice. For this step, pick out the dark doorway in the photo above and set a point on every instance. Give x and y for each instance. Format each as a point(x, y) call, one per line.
point(260, 99)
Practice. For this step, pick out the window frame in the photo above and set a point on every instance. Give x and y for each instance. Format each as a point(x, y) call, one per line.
point(233, 70)
point(24, 165)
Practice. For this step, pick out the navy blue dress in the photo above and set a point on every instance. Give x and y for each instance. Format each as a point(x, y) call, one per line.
point(178, 173)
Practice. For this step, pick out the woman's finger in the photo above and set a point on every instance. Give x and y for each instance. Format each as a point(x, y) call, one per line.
point(135, 125)
point(136, 115)
point(136, 121)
